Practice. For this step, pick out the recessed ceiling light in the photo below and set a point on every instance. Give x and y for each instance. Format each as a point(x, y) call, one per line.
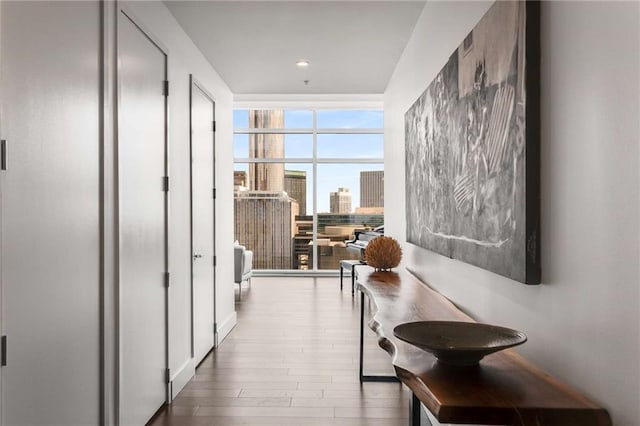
point(302, 63)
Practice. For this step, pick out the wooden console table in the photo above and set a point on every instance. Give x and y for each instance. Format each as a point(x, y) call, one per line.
point(504, 389)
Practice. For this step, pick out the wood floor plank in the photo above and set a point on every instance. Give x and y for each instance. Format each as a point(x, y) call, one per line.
point(231, 402)
point(225, 371)
point(365, 393)
point(278, 393)
point(211, 393)
point(266, 412)
point(241, 385)
point(343, 370)
point(307, 364)
point(356, 386)
point(352, 378)
point(242, 377)
point(370, 412)
point(350, 402)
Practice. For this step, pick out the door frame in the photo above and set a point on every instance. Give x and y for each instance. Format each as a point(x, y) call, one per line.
point(1, 236)
point(129, 14)
point(194, 83)
point(108, 219)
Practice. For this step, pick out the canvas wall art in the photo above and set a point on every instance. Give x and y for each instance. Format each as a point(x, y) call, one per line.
point(472, 149)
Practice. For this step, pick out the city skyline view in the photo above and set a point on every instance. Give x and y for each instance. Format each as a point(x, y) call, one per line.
point(331, 176)
point(332, 158)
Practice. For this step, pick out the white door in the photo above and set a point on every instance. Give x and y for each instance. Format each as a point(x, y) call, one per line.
point(202, 216)
point(2, 168)
point(49, 96)
point(142, 222)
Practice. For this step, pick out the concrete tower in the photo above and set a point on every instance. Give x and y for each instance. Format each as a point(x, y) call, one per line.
point(340, 202)
point(266, 177)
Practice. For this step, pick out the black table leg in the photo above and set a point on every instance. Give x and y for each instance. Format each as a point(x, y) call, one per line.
point(414, 410)
point(368, 378)
point(353, 280)
point(341, 275)
point(361, 333)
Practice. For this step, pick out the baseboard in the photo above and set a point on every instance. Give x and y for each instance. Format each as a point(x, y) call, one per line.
point(225, 327)
point(182, 376)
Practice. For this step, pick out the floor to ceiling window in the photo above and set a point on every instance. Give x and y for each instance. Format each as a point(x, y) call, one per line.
point(304, 182)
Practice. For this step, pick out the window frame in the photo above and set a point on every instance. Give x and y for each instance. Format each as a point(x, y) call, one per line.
point(314, 160)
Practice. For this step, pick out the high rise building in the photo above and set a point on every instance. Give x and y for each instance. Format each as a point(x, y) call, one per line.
point(264, 223)
point(264, 213)
point(239, 178)
point(372, 188)
point(266, 176)
point(302, 243)
point(340, 202)
point(295, 184)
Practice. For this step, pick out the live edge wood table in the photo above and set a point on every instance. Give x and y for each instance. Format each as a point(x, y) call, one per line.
point(504, 389)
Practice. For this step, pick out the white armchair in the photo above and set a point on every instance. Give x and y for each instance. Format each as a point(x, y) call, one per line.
point(243, 266)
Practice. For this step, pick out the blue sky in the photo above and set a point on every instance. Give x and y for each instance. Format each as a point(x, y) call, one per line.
point(327, 119)
point(330, 176)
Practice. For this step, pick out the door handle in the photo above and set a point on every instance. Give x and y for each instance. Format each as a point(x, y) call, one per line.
point(197, 255)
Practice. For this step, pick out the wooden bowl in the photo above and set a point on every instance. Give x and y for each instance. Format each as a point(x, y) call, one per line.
point(458, 343)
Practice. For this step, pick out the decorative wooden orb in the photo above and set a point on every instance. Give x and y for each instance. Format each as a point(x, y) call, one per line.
point(383, 253)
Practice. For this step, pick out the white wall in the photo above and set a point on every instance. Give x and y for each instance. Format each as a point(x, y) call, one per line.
point(583, 321)
point(184, 58)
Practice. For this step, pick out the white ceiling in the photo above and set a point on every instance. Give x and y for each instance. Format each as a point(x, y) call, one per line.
point(353, 46)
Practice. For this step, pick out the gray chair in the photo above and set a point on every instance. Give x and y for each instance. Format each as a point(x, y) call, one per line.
point(243, 266)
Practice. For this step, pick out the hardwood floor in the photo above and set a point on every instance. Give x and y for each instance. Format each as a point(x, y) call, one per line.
point(292, 360)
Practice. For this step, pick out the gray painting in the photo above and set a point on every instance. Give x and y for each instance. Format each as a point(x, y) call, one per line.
point(466, 151)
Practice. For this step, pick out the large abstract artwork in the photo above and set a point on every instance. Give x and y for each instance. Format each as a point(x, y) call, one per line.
point(472, 149)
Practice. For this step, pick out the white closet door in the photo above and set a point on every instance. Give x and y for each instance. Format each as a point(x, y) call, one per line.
point(142, 212)
point(202, 176)
point(49, 95)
